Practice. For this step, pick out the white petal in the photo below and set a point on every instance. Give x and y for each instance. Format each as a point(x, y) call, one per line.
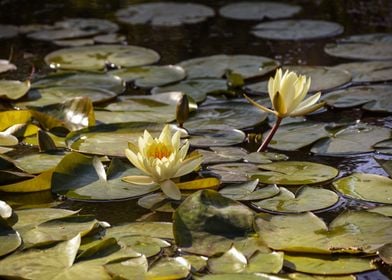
point(170, 189)
point(5, 210)
point(189, 165)
point(138, 180)
point(176, 140)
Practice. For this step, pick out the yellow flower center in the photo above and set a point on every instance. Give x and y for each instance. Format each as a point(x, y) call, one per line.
point(159, 150)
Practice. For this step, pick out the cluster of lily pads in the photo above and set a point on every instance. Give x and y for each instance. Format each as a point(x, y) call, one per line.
point(255, 216)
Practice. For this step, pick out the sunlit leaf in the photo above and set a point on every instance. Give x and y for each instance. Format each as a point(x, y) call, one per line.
point(39, 183)
point(13, 90)
point(247, 191)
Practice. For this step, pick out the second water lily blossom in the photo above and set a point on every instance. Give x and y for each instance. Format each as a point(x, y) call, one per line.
point(161, 159)
point(287, 92)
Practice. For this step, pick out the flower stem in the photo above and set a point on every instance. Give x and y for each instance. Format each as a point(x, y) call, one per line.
point(271, 134)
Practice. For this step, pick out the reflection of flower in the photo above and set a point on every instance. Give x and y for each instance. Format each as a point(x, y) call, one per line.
point(287, 95)
point(161, 159)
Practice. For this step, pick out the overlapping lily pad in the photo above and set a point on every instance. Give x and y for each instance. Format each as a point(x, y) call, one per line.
point(164, 14)
point(373, 46)
point(38, 163)
point(216, 137)
point(258, 11)
point(247, 191)
point(375, 98)
point(13, 90)
point(216, 66)
point(368, 71)
point(369, 187)
point(305, 199)
point(233, 172)
point(295, 173)
point(297, 29)
point(9, 239)
point(151, 76)
point(97, 57)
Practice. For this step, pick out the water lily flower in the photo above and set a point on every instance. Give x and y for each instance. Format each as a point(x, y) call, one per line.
point(161, 159)
point(287, 93)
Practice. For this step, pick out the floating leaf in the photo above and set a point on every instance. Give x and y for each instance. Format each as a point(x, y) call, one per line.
point(198, 184)
point(13, 90)
point(247, 191)
point(234, 276)
point(233, 172)
point(369, 187)
point(368, 71)
point(258, 11)
point(328, 265)
point(8, 31)
point(10, 118)
point(9, 239)
point(151, 76)
point(215, 137)
point(164, 14)
point(135, 267)
point(296, 29)
point(39, 183)
point(264, 157)
point(385, 210)
point(145, 245)
point(301, 276)
point(222, 154)
point(265, 262)
point(373, 46)
point(158, 202)
point(385, 253)
point(76, 176)
point(96, 57)
point(305, 199)
point(231, 261)
point(295, 173)
point(163, 114)
point(154, 229)
point(169, 268)
point(215, 66)
point(39, 162)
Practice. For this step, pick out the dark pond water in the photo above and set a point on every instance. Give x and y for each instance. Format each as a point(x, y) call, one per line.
point(217, 35)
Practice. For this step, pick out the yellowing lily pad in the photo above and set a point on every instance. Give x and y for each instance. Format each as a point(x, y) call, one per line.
point(369, 187)
point(295, 173)
point(96, 57)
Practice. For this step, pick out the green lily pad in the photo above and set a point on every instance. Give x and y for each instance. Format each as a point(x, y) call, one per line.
point(359, 138)
point(234, 276)
point(296, 29)
point(91, 80)
point(375, 98)
point(110, 139)
point(169, 268)
point(271, 262)
point(233, 172)
point(162, 230)
point(33, 140)
point(78, 176)
point(264, 157)
point(230, 114)
point(145, 245)
point(56, 95)
point(164, 14)
point(41, 264)
point(158, 202)
point(162, 114)
point(136, 267)
point(385, 210)
point(247, 191)
point(385, 253)
point(231, 261)
point(368, 71)
point(369, 187)
point(328, 265)
point(96, 57)
point(38, 163)
point(195, 88)
point(352, 232)
point(295, 173)
point(258, 11)
point(222, 154)
point(74, 28)
point(9, 239)
point(302, 276)
point(13, 90)
point(216, 66)
point(323, 78)
point(305, 199)
point(215, 137)
point(151, 76)
point(8, 31)
point(373, 46)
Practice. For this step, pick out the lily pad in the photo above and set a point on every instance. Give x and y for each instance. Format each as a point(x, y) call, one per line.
point(374, 46)
point(264, 157)
point(145, 245)
point(247, 191)
point(195, 88)
point(215, 137)
point(302, 276)
point(369, 187)
point(164, 115)
point(305, 199)
point(359, 138)
point(295, 173)
point(162, 230)
point(164, 14)
point(231, 261)
point(297, 29)
point(8, 31)
point(351, 232)
point(169, 268)
point(258, 11)
point(151, 76)
point(39, 183)
point(81, 177)
point(222, 154)
point(105, 81)
point(234, 276)
point(233, 172)
point(9, 239)
point(97, 57)
point(385, 210)
point(385, 253)
point(328, 265)
point(368, 71)
point(216, 66)
point(375, 98)
point(158, 202)
point(13, 90)
point(38, 163)
point(323, 78)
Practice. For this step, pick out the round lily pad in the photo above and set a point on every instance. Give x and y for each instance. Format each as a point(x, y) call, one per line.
point(305, 199)
point(368, 71)
point(216, 66)
point(8, 31)
point(151, 76)
point(97, 57)
point(164, 14)
point(376, 98)
point(375, 46)
point(369, 187)
point(160, 114)
point(216, 137)
point(258, 10)
point(233, 172)
point(81, 79)
point(295, 173)
point(323, 78)
point(296, 29)
point(9, 239)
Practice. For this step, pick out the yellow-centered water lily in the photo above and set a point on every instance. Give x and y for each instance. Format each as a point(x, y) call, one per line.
point(161, 159)
point(287, 95)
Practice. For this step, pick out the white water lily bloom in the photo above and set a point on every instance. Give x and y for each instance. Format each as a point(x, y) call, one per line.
point(161, 159)
point(287, 95)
